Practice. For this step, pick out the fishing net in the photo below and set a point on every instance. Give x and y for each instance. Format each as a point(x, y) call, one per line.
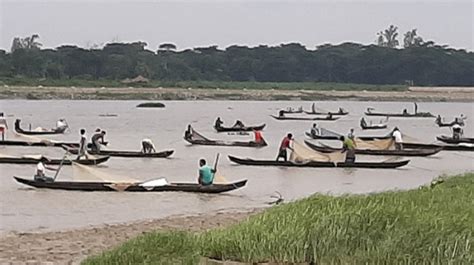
point(326, 132)
point(197, 136)
point(377, 144)
point(87, 173)
point(303, 154)
point(32, 139)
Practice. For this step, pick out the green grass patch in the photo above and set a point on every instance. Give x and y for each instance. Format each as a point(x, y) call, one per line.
point(424, 226)
point(23, 81)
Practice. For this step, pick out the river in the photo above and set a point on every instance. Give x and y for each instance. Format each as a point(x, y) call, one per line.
point(26, 209)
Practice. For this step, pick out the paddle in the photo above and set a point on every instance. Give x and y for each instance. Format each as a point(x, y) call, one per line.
point(60, 165)
point(215, 163)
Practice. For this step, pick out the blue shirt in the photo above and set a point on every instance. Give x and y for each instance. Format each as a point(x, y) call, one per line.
point(205, 172)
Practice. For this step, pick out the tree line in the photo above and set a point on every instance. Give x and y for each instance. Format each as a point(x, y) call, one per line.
point(419, 62)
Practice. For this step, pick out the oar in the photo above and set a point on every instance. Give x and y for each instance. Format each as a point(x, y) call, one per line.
point(60, 165)
point(215, 163)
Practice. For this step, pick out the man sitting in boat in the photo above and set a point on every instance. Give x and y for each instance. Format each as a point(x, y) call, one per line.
point(341, 110)
point(218, 123)
point(348, 146)
point(82, 145)
point(238, 124)
point(315, 130)
point(457, 131)
point(363, 123)
point(285, 144)
point(397, 136)
point(281, 113)
point(405, 112)
point(41, 171)
point(148, 146)
point(206, 173)
point(61, 125)
point(97, 141)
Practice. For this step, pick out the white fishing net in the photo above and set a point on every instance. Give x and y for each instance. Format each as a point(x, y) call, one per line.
point(301, 154)
point(88, 173)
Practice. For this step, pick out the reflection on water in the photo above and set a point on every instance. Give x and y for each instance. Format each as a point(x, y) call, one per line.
point(29, 209)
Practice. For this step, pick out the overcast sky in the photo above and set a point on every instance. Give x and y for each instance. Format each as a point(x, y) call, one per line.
point(224, 23)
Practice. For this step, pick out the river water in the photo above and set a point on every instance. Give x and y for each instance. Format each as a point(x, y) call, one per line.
point(26, 209)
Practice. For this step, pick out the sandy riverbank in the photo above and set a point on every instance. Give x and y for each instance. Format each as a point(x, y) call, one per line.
point(72, 246)
point(416, 94)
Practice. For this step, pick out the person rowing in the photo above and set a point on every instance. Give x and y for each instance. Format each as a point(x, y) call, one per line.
point(348, 147)
point(148, 146)
point(457, 131)
point(82, 145)
point(206, 173)
point(397, 136)
point(285, 144)
point(97, 141)
point(41, 168)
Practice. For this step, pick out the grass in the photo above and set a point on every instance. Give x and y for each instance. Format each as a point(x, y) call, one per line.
point(21, 81)
point(424, 226)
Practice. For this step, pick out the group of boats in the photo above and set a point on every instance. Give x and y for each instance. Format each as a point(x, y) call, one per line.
point(195, 138)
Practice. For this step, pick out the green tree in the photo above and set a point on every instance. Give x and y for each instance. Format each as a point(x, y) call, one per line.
point(411, 39)
point(388, 37)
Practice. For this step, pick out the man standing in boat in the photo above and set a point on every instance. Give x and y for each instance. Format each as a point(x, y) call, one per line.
point(348, 146)
point(3, 125)
point(82, 145)
point(397, 136)
point(148, 146)
point(206, 173)
point(41, 171)
point(285, 144)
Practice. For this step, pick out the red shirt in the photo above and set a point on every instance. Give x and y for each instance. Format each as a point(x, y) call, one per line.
point(258, 136)
point(285, 143)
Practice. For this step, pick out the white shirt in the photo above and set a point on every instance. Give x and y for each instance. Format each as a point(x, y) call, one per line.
point(148, 141)
point(398, 136)
point(60, 124)
point(456, 126)
point(40, 168)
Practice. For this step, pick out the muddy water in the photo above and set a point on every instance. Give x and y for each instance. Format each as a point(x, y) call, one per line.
point(25, 209)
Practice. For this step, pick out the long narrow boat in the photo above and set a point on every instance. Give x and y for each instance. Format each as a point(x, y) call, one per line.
point(252, 162)
point(131, 187)
point(162, 154)
point(371, 126)
point(451, 140)
point(444, 147)
point(18, 129)
point(440, 123)
point(341, 112)
point(36, 160)
point(291, 111)
point(369, 112)
point(198, 139)
point(403, 152)
point(327, 118)
point(240, 129)
point(43, 143)
point(337, 137)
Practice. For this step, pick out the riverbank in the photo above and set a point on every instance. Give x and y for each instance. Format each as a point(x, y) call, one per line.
point(162, 93)
point(72, 246)
point(432, 224)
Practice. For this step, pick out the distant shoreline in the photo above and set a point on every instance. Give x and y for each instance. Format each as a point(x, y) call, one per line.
point(420, 94)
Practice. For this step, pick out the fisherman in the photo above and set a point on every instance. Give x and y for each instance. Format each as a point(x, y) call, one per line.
point(341, 110)
point(281, 113)
point(148, 146)
point(457, 131)
point(348, 146)
point(363, 123)
point(438, 119)
point(61, 125)
point(258, 136)
point(315, 130)
point(313, 107)
point(82, 145)
point(3, 125)
point(238, 124)
point(40, 174)
point(97, 140)
point(351, 134)
point(405, 112)
point(188, 134)
point(416, 107)
point(285, 144)
point(206, 173)
point(397, 136)
point(218, 123)
point(329, 117)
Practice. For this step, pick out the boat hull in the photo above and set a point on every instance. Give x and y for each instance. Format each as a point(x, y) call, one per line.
point(243, 129)
point(451, 140)
point(23, 160)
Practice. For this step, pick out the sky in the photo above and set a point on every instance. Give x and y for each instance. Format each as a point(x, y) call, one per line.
point(196, 23)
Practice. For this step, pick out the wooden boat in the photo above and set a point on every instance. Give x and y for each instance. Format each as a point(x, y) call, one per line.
point(162, 154)
point(369, 112)
point(252, 162)
point(444, 147)
point(337, 137)
point(43, 143)
point(37, 159)
point(18, 129)
point(132, 187)
point(327, 118)
point(239, 129)
point(198, 139)
point(291, 111)
point(440, 123)
point(340, 112)
point(404, 152)
point(451, 140)
point(377, 126)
